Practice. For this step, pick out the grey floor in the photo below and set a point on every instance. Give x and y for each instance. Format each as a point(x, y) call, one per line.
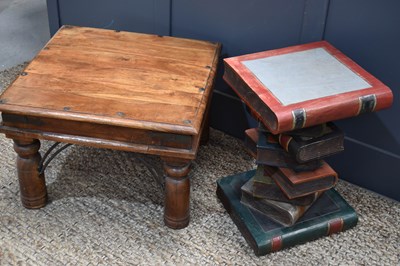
point(24, 30)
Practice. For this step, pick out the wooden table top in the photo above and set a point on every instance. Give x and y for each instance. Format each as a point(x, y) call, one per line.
point(118, 78)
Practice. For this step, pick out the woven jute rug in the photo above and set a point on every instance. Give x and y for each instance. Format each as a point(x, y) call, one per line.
point(106, 209)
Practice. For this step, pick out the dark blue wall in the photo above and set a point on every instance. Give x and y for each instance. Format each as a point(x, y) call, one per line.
point(129, 15)
point(366, 30)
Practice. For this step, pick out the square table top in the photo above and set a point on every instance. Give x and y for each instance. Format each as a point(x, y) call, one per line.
point(314, 73)
point(304, 85)
point(118, 78)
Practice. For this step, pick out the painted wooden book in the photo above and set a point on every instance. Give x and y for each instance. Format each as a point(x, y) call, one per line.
point(265, 148)
point(304, 85)
point(281, 212)
point(305, 148)
point(299, 184)
point(329, 214)
point(262, 186)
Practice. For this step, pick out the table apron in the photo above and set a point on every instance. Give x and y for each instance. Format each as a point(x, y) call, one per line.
point(99, 135)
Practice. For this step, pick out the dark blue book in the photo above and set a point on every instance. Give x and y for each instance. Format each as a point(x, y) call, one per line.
point(265, 148)
point(329, 214)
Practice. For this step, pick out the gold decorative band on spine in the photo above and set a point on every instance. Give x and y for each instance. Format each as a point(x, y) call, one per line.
point(299, 118)
point(366, 104)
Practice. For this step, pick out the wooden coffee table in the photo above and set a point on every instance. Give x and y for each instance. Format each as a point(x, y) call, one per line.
point(109, 89)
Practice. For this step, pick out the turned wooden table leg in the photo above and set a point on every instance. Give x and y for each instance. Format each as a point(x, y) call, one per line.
point(32, 185)
point(177, 193)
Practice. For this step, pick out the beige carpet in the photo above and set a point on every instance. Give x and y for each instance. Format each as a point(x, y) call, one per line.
point(106, 209)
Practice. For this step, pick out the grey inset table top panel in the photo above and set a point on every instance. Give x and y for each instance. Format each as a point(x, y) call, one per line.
point(305, 75)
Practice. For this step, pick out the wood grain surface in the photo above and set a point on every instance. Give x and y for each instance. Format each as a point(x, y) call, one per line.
point(118, 78)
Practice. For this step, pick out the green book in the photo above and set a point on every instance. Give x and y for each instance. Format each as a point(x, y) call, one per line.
point(329, 214)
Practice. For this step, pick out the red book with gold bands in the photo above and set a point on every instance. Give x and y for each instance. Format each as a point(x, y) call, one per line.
point(299, 184)
point(304, 85)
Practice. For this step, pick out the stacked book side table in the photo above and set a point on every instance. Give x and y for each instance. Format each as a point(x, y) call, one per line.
point(111, 89)
point(295, 93)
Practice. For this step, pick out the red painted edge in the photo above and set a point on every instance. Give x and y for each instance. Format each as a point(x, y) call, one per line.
point(335, 226)
point(276, 243)
point(347, 103)
point(284, 140)
point(306, 176)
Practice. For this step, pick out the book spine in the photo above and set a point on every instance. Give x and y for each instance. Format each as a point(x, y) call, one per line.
point(315, 148)
point(285, 141)
point(320, 111)
point(327, 228)
point(291, 146)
